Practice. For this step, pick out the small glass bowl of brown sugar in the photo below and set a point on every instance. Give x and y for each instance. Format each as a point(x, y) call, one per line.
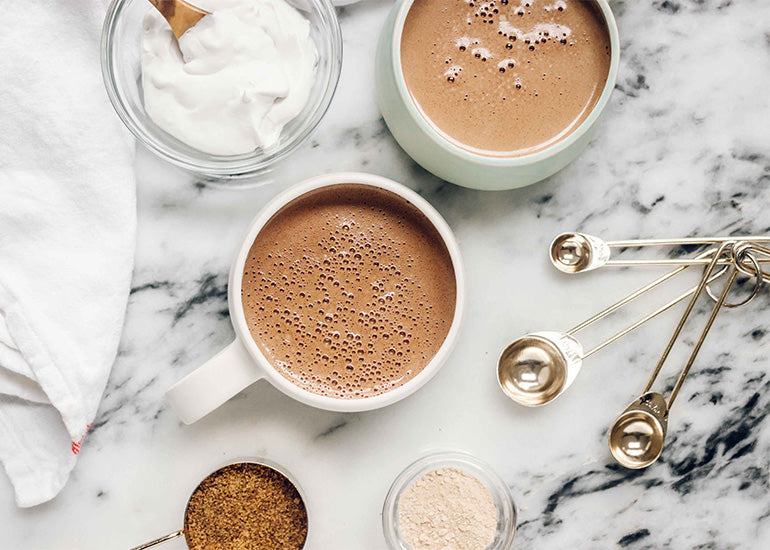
point(252, 505)
point(449, 500)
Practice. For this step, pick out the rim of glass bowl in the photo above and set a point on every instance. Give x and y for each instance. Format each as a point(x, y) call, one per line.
point(501, 495)
point(224, 167)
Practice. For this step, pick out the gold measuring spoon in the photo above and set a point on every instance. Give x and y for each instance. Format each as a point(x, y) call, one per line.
point(579, 252)
point(637, 436)
point(538, 367)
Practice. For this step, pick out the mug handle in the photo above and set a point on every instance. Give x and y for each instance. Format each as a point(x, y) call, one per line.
point(213, 383)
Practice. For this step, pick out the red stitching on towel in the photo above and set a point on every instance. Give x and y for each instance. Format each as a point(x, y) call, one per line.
point(76, 444)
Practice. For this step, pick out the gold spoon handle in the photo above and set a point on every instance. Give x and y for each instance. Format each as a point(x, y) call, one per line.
point(158, 541)
point(649, 316)
point(179, 14)
point(675, 261)
point(723, 247)
point(738, 261)
point(690, 360)
point(634, 295)
point(686, 241)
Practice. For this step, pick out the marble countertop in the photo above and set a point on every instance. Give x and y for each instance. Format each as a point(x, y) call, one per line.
point(683, 150)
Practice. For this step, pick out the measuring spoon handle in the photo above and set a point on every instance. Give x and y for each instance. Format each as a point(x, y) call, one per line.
point(161, 540)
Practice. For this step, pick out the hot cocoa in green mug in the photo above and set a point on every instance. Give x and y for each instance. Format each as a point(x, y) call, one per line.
point(496, 95)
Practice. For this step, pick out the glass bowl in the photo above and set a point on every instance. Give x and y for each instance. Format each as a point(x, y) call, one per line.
point(121, 69)
point(501, 496)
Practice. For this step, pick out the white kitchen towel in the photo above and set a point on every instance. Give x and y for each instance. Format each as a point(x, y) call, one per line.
point(67, 231)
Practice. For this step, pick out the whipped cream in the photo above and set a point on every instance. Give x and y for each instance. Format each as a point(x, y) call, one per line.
point(234, 80)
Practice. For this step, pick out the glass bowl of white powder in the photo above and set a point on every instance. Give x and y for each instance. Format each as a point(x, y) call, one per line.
point(243, 88)
point(449, 500)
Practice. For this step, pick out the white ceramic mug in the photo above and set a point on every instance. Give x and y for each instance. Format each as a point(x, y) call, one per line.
point(243, 363)
point(453, 163)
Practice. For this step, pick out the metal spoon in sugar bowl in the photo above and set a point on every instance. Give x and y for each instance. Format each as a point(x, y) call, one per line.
point(535, 369)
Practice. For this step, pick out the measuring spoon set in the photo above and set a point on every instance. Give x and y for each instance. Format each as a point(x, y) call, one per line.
point(537, 368)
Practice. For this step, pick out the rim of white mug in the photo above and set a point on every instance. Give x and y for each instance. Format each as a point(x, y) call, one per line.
point(243, 334)
point(503, 161)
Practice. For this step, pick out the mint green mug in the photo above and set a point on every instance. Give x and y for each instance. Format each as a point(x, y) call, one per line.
point(453, 163)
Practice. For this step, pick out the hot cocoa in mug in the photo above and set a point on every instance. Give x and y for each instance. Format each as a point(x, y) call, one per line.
point(346, 294)
point(496, 94)
point(349, 291)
